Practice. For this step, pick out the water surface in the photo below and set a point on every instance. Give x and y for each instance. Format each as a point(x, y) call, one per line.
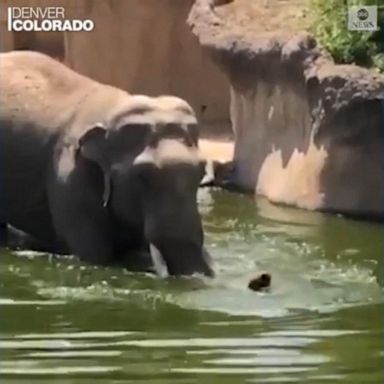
point(321, 322)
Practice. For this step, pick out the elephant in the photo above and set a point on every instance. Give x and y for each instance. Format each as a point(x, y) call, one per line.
point(91, 170)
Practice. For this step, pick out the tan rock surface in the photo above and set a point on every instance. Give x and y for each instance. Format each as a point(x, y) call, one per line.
point(218, 150)
point(308, 133)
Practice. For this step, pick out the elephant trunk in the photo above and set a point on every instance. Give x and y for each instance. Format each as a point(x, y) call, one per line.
point(173, 228)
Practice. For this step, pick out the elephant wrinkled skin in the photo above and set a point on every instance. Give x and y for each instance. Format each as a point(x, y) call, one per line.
point(89, 169)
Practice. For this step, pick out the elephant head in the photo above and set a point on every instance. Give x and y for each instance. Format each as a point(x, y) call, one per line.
point(148, 154)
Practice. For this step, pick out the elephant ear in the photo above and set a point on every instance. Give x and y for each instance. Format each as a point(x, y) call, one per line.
point(93, 146)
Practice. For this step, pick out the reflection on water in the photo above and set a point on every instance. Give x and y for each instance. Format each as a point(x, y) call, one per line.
point(65, 322)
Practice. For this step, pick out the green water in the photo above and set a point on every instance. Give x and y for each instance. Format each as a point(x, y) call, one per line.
point(322, 321)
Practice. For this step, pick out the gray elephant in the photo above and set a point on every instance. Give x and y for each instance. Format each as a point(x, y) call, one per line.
point(89, 169)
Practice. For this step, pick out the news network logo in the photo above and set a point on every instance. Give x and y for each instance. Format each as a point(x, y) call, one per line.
point(44, 19)
point(362, 18)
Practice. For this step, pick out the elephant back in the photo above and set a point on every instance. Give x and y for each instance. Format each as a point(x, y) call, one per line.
point(39, 93)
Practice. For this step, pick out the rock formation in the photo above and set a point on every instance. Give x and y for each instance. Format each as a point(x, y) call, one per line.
point(309, 133)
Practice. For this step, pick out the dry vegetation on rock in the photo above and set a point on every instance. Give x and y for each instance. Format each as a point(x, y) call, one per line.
point(326, 19)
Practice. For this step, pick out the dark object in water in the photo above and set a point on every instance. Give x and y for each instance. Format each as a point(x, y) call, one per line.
point(260, 282)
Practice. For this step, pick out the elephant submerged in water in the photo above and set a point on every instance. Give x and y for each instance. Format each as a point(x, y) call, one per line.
point(88, 169)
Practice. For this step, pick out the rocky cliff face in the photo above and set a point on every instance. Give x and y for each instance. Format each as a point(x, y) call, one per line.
point(309, 133)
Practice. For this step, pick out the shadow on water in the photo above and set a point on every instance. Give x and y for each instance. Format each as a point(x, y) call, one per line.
point(66, 322)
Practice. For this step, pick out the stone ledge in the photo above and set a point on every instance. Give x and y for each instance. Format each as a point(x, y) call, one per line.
point(307, 130)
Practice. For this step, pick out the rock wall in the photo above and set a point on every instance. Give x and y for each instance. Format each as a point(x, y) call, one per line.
point(308, 133)
point(146, 47)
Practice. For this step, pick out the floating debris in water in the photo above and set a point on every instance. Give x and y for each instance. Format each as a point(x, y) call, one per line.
point(260, 282)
